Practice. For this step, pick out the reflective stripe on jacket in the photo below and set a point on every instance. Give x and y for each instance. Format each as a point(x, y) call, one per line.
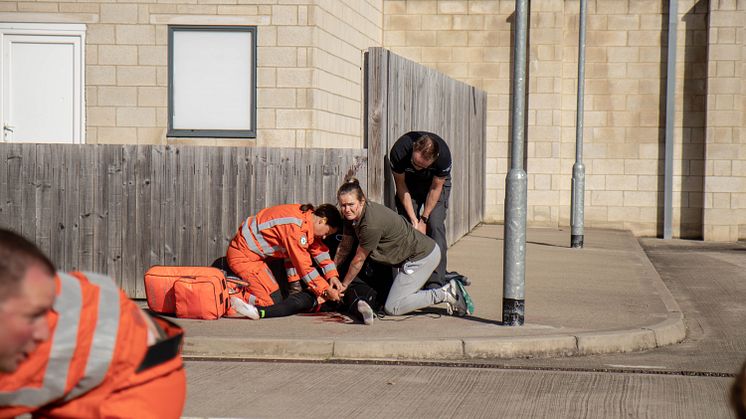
point(320, 254)
point(286, 232)
point(98, 338)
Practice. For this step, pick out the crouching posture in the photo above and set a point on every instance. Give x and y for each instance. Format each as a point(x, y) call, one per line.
point(389, 240)
point(73, 345)
point(293, 233)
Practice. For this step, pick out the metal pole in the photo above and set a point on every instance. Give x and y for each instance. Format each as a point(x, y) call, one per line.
point(578, 169)
point(673, 17)
point(514, 250)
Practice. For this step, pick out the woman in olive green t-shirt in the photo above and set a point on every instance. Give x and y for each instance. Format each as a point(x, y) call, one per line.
point(387, 238)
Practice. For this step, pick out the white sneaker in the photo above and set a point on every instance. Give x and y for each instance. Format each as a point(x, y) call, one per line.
point(244, 308)
point(455, 302)
point(366, 312)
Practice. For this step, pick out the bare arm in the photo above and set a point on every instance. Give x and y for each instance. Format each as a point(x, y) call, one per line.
point(344, 249)
point(402, 192)
point(355, 266)
point(433, 195)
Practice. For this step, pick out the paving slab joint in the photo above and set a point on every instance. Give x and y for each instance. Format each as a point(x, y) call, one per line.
point(670, 331)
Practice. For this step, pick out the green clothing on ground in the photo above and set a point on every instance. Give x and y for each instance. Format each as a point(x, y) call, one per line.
point(388, 237)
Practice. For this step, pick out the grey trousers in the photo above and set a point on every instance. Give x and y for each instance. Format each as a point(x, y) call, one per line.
point(406, 294)
point(436, 226)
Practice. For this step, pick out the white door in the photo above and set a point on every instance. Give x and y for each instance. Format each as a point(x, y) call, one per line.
point(42, 84)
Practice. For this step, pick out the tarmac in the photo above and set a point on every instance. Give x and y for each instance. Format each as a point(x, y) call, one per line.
point(606, 297)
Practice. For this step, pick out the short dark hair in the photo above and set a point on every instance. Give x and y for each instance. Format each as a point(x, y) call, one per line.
point(427, 146)
point(328, 211)
point(17, 254)
point(332, 215)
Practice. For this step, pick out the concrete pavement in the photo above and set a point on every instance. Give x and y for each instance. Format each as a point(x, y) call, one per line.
point(604, 298)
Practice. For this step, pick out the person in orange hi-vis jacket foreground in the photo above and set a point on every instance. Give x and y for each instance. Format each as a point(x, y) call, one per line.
point(73, 345)
point(292, 233)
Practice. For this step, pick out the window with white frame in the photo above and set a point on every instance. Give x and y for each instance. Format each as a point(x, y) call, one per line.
point(212, 81)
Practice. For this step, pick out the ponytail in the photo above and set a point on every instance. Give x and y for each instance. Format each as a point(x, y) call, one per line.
point(350, 185)
point(306, 207)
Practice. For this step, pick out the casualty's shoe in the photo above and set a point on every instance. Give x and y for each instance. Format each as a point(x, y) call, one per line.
point(366, 312)
point(464, 280)
point(244, 308)
point(458, 302)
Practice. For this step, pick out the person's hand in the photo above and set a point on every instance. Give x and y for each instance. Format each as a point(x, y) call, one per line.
point(331, 294)
point(334, 283)
point(421, 226)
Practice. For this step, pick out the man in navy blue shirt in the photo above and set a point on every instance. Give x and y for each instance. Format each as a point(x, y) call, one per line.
point(421, 164)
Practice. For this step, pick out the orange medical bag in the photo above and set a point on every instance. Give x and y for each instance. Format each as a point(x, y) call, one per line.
point(204, 297)
point(187, 291)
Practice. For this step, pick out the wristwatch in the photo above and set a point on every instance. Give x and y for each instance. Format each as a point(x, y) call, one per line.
point(423, 218)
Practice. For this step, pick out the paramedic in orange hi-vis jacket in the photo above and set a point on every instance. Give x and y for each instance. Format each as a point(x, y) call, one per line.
point(74, 345)
point(292, 233)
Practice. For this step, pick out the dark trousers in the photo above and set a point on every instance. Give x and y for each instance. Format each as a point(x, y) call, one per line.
point(299, 302)
point(436, 225)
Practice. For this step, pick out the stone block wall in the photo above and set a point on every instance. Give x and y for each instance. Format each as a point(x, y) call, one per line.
point(309, 73)
point(725, 147)
point(310, 90)
point(624, 133)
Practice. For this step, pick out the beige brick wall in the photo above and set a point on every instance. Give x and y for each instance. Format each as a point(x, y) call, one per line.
point(624, 105)
point(310, 75)
point(725, 164)
point(344, 30)
point(309, 60)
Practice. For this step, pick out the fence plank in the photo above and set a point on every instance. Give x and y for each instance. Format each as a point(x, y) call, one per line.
point(115, 224)
point(29, 208)
point(157, 197)
point(213, 196)
point(101, 186)
point(231, 216)
point(5, 201)
point(376, 120)
point(169, 216)
point(403, 96)
point(88, 214)
point(71, 201)
point(13, 193)
point(54, 203)
point(143, 190)
point(128, 260)
point(43, 200)
point(119, 209)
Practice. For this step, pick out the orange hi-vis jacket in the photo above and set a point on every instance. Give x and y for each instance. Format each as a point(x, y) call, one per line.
point(286, 232)
point(97, 362)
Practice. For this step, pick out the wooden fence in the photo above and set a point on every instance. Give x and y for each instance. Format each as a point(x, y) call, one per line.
point(118, 209)
point(403, 96)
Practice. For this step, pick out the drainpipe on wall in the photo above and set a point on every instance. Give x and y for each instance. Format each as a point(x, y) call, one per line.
point(673, 18)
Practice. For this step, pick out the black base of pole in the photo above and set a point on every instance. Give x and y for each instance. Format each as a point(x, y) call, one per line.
point(513, 311)
point(576, 241)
